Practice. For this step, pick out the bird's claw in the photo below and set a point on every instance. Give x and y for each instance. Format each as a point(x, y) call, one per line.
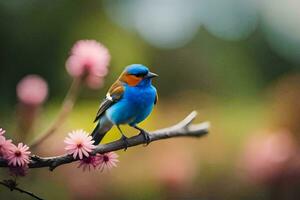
point(146, 137)
point(126, 144)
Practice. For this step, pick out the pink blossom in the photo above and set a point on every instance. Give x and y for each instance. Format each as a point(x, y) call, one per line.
point(32, 90)
point(2, 131)
point(89, 163)
point(18, 171)
point(79, 143)
point(88, 57)
point(18, 155)
point(108, 160)
point(266, 157)
point(5, 145)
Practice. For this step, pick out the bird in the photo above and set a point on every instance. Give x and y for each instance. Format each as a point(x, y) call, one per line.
point(129, 101)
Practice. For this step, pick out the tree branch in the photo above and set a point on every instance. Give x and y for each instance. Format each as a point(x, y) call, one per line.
point(182, 129)
point(12, 185)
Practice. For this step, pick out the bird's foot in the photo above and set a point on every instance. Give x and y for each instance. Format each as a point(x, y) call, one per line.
point(126, 144)
point(146, 136)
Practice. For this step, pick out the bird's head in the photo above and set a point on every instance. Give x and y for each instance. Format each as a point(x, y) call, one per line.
point(137, 75)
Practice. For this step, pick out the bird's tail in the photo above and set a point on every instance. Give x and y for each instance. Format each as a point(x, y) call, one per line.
point(103, 126)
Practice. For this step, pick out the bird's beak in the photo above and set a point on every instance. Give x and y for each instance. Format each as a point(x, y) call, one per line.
point(151, 75)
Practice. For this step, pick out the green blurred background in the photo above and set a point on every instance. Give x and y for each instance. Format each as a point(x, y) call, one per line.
point(232, 61)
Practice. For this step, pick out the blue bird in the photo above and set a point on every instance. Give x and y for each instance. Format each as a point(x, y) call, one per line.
point(129, 101)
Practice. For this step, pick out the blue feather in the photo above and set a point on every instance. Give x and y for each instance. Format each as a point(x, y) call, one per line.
point(135, 105)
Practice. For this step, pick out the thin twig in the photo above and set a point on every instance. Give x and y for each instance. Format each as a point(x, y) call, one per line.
point(13, 186)
point(66, 108)
point(182, 129)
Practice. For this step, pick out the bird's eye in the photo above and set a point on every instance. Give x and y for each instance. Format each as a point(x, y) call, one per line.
point(140, 75)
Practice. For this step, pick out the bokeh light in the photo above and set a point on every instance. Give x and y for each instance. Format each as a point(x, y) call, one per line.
point(236, 62)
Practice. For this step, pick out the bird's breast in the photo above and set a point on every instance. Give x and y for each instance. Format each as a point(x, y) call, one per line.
point(140, 97)
point(135, 105)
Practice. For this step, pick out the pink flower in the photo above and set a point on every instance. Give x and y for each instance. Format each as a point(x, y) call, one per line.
point(88, 58)
point(5, 145)
point(89, 162)
point(32, 90)
point(18, 155)
point(2, 131)
point(108, 160)
point(18, 171)
point(267, 156)
point(79, 143)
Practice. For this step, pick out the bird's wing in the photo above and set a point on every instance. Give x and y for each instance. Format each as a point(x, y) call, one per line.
point(113, 95)
point(156, 99)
